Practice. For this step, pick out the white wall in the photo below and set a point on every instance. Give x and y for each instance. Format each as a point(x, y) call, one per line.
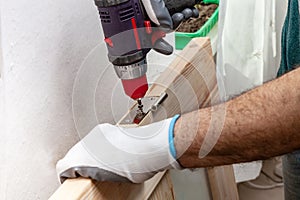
point(44, 43)
point(2, 124)
point(2, 136)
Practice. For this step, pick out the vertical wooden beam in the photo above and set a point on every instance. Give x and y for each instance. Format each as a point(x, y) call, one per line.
point(164, 189)
point(222, 183)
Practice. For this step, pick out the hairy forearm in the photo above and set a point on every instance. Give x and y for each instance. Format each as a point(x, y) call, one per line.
point(259, 124)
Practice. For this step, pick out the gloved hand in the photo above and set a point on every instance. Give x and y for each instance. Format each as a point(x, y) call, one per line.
point(111, 153)
point(170, 14)
point(167, 17)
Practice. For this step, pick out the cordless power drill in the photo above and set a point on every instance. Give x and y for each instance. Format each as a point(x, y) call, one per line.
point(129, 37)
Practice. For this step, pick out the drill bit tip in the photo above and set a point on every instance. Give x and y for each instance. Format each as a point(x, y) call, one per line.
point(140, 106)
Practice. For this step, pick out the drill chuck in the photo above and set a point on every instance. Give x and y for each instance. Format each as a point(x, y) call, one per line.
point(134, 78)
point(133, 71)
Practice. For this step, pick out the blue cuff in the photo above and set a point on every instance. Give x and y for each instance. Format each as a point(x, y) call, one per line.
point(171, 136)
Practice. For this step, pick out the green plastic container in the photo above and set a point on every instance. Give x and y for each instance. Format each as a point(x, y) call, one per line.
point(182, 39)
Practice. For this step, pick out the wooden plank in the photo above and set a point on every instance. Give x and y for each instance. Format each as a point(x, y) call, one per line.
point(80, 188)
point(222, 183)
point(189, 82)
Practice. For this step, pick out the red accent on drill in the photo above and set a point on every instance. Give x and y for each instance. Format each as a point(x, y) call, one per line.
point(136, 88)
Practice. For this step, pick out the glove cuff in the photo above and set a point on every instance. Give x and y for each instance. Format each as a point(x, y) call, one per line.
point(174, 164)
point(171, 136)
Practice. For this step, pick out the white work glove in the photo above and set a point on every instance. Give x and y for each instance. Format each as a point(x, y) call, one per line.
point(111, 153)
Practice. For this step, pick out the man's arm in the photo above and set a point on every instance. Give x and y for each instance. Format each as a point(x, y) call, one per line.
point(261, 123)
